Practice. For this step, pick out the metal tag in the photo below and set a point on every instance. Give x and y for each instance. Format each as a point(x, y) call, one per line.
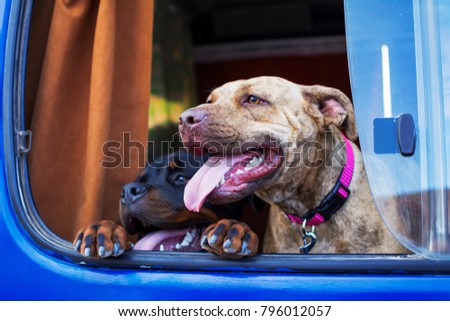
point(309, 239)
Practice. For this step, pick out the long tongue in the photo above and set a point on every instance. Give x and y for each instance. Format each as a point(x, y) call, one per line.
point(206, 179)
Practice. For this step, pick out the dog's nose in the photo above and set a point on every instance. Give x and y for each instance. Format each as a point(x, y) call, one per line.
point(191, 117)
point(132, 192)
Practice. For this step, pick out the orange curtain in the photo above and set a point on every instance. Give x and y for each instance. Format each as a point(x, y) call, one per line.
point(88, 83)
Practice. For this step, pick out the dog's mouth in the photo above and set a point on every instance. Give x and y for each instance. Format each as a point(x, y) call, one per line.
point(176, 240)
point(175, 237)
point(229, 178)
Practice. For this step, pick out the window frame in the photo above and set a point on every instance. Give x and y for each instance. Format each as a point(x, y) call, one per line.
point(18, 140)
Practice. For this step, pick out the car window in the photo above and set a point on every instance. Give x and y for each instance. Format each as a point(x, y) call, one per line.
point(382, 90)
point(400, 71)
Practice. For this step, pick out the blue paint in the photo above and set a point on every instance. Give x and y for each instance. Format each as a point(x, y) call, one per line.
point(30, 273)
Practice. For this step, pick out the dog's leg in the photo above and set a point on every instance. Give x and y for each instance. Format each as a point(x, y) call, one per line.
point(101, 239)
point(230, 239)
point(280, 236)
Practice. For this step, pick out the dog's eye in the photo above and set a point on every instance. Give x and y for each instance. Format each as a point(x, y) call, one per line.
point(209, 101)
point(255, 100)
point(180, 179)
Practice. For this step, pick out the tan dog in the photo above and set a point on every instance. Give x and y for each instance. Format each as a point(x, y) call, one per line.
point(279, 139)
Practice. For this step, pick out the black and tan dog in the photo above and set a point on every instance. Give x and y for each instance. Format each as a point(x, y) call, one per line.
point(152, 206)
point(269, 136)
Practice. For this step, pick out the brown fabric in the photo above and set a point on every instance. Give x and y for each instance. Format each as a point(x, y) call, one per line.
point(90, 84)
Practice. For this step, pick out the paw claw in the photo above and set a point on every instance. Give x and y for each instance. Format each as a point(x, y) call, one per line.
point(117, 250)
point(204, 241)
point(227, 243)
point(87, 251)
point(77, 245)
point(229, 250)
point(230, 239)
point(101, 250)
point(244, 247)
point(212, 240)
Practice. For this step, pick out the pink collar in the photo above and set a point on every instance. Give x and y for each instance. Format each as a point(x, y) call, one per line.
point(334, 200)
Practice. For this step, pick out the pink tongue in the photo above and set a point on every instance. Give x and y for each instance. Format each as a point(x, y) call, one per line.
point(151, 240)
point(206, 179)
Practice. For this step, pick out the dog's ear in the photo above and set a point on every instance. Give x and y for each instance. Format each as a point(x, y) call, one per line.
point(333, 105)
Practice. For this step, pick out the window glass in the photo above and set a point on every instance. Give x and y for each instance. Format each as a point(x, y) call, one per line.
point(399, 69)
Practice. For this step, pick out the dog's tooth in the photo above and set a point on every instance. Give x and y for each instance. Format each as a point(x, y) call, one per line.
point(255, 161)
point(222, 180)
point(239, 171)
point(187, 238)
point(178, 246)
point(161, 248)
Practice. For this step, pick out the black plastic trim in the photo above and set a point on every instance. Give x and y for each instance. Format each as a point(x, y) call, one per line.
point(406, 134)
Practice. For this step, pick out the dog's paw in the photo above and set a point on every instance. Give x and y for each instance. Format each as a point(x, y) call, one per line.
point(230, 239)
point(101, 239)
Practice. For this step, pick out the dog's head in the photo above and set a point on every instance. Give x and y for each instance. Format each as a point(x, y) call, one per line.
point(153, 203)
point(256, 126)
